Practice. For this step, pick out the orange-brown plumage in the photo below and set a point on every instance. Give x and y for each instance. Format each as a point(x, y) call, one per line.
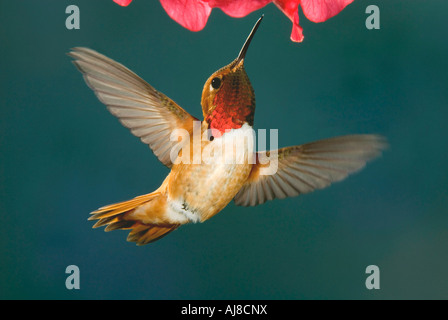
point(232, 104)
point(212, 161)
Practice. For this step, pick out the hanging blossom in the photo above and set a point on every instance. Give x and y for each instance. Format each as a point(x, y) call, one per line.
point(193, 14)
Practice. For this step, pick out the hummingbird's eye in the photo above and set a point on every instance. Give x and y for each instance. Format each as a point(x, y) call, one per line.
point(216, 83)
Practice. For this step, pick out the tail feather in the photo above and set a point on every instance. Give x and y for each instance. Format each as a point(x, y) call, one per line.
point(143, 234)
point(119, 216)
point(122, 207)
point(120, 224)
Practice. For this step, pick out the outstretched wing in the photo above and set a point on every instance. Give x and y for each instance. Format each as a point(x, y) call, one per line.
point(305, 168)
point(149, 114)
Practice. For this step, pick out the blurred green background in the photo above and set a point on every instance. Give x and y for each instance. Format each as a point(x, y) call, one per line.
point(63, 155)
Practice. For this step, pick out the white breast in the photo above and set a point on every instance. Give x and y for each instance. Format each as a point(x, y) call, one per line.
point(236, 146)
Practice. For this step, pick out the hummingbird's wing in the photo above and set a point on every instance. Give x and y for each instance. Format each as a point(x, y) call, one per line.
point(305, 168)
point(149, 114)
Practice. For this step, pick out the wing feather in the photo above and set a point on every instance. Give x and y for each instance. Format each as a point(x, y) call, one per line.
point(149, 114)
point(305, 168)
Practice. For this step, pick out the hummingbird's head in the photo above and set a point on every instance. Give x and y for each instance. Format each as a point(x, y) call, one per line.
point(228, 99)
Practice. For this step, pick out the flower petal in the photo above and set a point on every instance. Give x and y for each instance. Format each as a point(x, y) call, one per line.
point(296, 33)
point(190, 14)
point(291, 9)
point(238, 8)
point(322, 10)
point(123, 3)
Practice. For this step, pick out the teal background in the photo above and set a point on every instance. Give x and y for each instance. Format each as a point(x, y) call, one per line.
point(63, 155)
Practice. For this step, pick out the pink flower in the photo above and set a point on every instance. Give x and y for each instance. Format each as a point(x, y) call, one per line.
point(123, 3)
point(314, 10)
point(193, 14)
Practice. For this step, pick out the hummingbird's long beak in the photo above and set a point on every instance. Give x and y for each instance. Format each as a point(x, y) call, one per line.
point(243, 51)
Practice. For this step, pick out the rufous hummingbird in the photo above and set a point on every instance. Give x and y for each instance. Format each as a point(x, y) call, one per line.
point(196, 191)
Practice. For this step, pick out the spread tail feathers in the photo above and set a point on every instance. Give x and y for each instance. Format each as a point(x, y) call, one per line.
point(119, 216)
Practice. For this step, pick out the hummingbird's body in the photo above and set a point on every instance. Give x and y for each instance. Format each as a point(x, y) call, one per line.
point(221, 166)
point(199, 191)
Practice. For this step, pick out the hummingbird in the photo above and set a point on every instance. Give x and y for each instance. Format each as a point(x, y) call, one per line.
point(196, 191)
